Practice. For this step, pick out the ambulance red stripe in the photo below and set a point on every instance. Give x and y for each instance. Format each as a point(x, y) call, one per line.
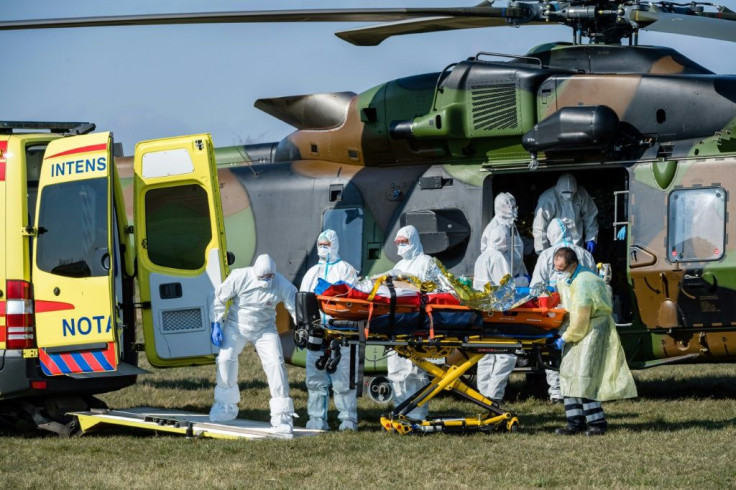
point(3, 149)
point(46, 306)
point(48, 365)
point(109, 354)
point(93, 364)
point(71, 363)
point(81, 149)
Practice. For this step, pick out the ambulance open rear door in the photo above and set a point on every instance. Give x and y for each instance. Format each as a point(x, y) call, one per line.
point(180, 245)
point(74, 263)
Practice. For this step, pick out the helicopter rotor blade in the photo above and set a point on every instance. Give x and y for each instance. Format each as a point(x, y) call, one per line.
point(604, 21)
point(374, 35)
point(316, 15)
point(689, 25)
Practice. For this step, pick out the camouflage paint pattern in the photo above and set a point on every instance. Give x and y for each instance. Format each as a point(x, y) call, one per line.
point(433, 150)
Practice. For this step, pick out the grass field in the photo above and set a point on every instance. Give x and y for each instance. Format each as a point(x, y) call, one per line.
point(679, 433)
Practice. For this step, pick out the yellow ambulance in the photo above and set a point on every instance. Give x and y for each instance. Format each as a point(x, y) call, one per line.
point(69, 261)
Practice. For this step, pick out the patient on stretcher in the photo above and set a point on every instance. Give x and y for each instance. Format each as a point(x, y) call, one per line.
point(402, 305)
point(446, 290)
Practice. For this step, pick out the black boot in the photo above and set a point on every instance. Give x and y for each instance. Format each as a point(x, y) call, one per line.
point(570, 430)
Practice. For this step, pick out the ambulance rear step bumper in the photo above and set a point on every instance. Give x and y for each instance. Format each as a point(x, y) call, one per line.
point(124, 369)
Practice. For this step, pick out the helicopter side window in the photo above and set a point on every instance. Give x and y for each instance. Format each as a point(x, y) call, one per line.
point(348, 224)
point(696, 224)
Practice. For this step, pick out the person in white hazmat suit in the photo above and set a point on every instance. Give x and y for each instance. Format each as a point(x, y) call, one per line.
point(406, 378)
point(505, 214)
point(545, 275)
point(255, 292)
point(332, 269)
point(574, 206)
point(492, 265)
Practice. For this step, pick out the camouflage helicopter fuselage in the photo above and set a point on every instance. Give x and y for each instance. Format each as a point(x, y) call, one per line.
point(645, 130)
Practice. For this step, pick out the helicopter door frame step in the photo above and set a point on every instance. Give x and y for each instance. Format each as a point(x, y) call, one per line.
point(190, 424)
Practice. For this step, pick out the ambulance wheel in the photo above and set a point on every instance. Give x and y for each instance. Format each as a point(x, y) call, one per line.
point(75, 429)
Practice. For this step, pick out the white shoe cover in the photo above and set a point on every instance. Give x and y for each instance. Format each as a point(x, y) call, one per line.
point(283, 429)
point(348, 425)
point(317, 424)
point(223, 412)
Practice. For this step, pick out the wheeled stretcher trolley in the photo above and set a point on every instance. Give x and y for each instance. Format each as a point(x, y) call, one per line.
point(435, 332)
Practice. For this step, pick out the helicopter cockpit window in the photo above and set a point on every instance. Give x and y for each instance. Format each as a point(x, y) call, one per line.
point(178, 226)
point(696, 224)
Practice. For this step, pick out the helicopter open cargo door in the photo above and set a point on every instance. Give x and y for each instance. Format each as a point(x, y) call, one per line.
point(72, 268)
point(180, 244)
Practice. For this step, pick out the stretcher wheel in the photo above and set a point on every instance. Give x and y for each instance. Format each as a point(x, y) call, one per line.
point(331, 365)
point(320, 363)
point(513, 425)
point(301, 336)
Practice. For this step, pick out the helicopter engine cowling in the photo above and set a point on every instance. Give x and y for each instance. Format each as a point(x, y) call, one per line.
point(579, 128)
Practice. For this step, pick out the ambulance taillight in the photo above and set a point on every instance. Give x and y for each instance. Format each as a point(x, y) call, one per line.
point(19, 316)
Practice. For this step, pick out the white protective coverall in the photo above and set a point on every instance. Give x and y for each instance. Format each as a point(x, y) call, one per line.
point(251, 318)
point(593, 360)
point(332, 269)
point(545, 273)
point(406, 378)
point(558, 236)
point(505, 213)
point(573, 205)
point(492, 265)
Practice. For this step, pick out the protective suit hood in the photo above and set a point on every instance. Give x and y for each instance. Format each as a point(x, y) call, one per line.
point(504, 207)
point(566, 184)
point(415, 245)
point(264, 265)
point(333, 250)
point(557, 233)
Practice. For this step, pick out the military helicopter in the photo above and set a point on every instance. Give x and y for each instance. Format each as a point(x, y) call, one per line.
point(433, 150)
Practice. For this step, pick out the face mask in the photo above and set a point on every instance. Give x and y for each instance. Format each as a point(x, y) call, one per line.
point(403, 249)
point(323, 252)
point(567, 196)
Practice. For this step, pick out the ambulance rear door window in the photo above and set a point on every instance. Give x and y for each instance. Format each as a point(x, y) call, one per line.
point(178, 226)
point(72, 235)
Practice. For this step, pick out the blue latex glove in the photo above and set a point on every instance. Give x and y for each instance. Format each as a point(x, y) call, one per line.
point(621, 235)
point(216, 335)
point(559, 343)
point(590, 246)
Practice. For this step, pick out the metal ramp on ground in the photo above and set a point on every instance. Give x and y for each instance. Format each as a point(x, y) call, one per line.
point(190, 424)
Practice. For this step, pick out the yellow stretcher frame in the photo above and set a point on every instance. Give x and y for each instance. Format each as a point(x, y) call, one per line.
point(447, 377)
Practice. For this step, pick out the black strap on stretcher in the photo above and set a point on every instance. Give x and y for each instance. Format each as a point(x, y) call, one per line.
point(392, 303)
point(357, 380)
